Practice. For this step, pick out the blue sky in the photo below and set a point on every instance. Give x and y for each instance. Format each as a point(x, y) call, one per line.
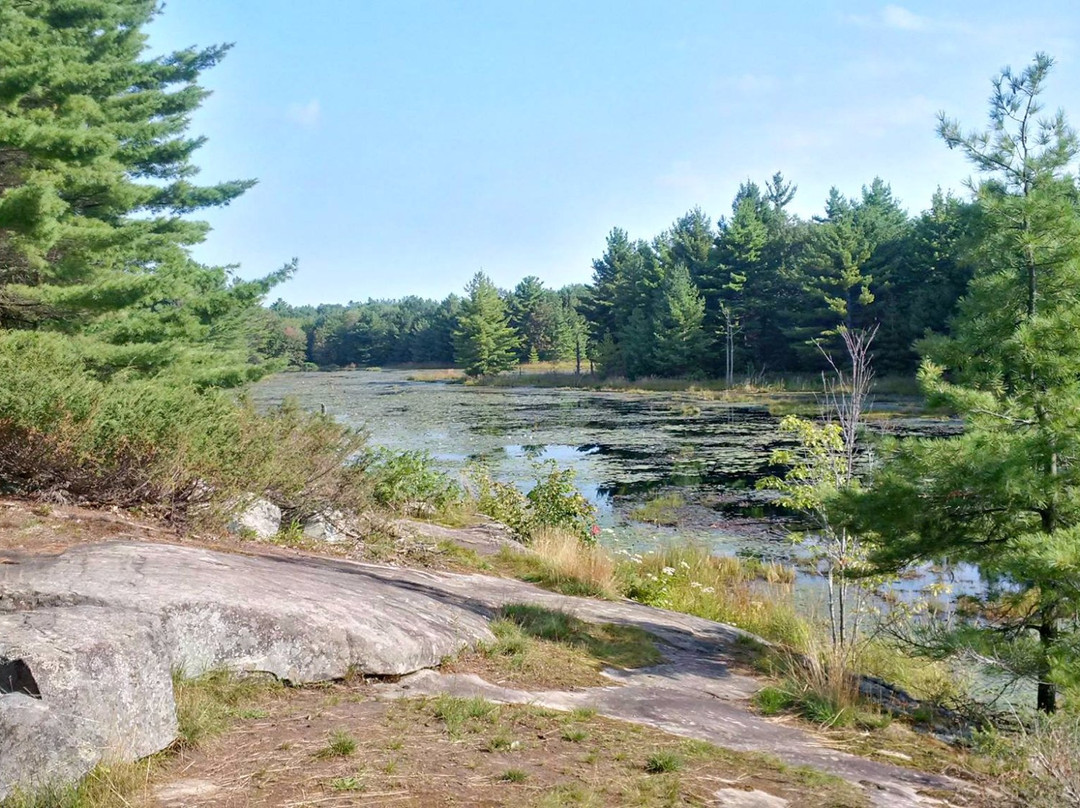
point(403, 145)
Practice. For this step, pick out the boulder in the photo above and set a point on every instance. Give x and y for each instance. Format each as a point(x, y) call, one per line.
point(332, 527)
point(89, 640)
point(255, 517)
point(93, 683)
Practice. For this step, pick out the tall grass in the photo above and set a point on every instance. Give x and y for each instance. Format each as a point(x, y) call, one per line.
point(567, 558)
point(749, 594)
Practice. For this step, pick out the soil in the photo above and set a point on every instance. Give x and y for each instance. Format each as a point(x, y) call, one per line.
point(406, 755)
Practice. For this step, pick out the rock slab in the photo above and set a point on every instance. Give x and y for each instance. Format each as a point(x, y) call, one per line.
point(100, 629)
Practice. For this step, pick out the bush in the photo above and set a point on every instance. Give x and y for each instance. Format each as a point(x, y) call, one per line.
point(553, 502)
point(410, 481)
point(501, 501)
point(161, 440)
point(556, 503)
point(1041, 762)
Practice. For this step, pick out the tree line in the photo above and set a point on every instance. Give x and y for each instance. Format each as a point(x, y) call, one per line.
point(755, 290)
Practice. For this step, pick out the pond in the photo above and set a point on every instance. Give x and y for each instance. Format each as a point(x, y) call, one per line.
point(625, 447)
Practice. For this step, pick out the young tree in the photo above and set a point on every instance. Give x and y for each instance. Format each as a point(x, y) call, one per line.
point(1005, 494)
point(740, 250)
point(484, 342)
point(824, 464)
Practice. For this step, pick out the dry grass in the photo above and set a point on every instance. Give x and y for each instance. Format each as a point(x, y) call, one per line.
point(113, 785)
point(462, 751)
point(747, 593)
point(568, 557)
point(537, 648)
point(437, 375)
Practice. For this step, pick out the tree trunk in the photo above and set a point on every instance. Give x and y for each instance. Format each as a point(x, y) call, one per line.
point(1046, 697)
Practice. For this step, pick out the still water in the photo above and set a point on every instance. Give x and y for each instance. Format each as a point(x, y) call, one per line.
point(624, 447)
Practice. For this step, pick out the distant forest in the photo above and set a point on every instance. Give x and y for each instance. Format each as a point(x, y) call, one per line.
point(756, 291)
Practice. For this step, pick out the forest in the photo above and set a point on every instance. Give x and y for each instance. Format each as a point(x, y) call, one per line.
point(755, 291)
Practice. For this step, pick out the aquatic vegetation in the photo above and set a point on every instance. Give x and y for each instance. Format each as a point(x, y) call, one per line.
point(661, 510)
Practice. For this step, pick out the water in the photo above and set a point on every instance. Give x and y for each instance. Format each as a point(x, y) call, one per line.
point(624, 447)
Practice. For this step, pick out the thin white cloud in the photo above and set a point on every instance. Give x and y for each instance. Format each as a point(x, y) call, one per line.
point(306, 115)
point(895, 17)
point(899, 17)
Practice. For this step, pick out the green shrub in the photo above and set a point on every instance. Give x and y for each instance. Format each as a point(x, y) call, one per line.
point(553, 502)
point(410, 481)
point(161, 440)
point(556, 503)
point(501, 501)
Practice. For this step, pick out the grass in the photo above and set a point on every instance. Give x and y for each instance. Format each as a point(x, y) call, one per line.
point(349, 783)
point(106, 786)
point(562, 563)
point(746, 593)
point(540, 648)
point(661, 510)
point(461, 715)
point(208, 705)
point(575, 759)
point(340, 745)
point(663, 761)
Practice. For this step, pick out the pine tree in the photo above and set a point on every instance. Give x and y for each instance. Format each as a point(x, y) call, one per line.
point(678, 314)
point(1005, 495)
point(484, 342)
point(739, 256)
point(95, 182)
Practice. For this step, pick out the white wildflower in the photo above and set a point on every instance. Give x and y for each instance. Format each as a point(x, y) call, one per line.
point(668, 570)
point(695, 585)
point(684, 565)
point(708, 590)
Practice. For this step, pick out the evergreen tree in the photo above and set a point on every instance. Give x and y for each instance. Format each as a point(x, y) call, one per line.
point(677, 334)
point(95, 180)
point(1005, 495)
point(484, 342)
point(739, 256)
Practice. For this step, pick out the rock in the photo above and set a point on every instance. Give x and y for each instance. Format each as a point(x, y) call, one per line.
point(186, 793)
point(100, 628)
point(486, 538)
point(255, 517)
point(332, 527)
point(88, 640)
point(740, 798)
point(96, 685)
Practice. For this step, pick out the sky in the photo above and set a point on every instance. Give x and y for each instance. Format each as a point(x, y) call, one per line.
point(401, 146)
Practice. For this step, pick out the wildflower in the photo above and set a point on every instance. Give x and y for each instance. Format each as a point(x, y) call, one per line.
point(684, 565)
point(668, 570)
point(695, 585)
point(595, 530)
point(708, 590)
